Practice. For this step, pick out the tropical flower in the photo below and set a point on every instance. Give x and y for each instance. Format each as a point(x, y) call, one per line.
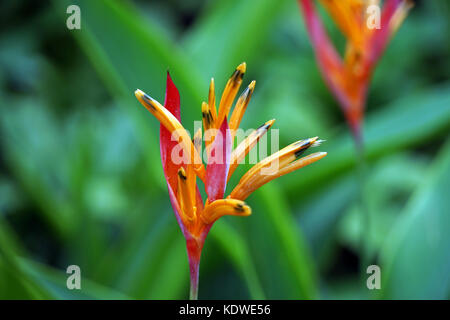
point(194, 216)
point(348, 78)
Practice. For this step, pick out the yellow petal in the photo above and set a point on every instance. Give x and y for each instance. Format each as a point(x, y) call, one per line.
point(348, 16)
point(168, 120)
point(185, 196)
point(212, 100)
point(241, 106)
point(242, 191)
point(300, 163)
point(208, 121)
point(221, 207)
point(246, 145)
point(229, 93)
point(270, 168)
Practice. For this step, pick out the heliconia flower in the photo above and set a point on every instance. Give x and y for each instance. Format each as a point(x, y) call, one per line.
point(348, 77)
point(194, 216)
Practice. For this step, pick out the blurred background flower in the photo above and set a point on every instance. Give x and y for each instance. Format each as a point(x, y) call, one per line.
point(81, 180)
point(367, 29)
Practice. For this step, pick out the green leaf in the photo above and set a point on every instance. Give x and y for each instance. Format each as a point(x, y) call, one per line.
point(26, 279)
point(153, 265)
point(282, 242)
point(236, 248)
point(390, 181)
point(54, 281)
point(416, 255)
point(229, 33)
point(39, 165)
point(16, 283)
point(130, 52)
point(319, 215)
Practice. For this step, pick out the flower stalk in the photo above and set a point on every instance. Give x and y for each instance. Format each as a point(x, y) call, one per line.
point(194, 249)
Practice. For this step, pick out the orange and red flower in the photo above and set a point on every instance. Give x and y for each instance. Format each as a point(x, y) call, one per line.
point(194, 216)
point(348, 77)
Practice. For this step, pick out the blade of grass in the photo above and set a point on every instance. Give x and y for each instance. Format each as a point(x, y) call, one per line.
point(17, 279)
point(416, 255)
point(142, 260)
point(27, 158)
point(54, 281)
point(230, 32)
point(234, 245)
point(288, 240)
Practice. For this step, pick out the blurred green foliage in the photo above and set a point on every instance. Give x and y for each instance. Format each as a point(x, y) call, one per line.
point(81, 180)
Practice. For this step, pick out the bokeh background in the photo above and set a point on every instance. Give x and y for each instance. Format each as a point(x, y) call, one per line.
point(80, 174)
